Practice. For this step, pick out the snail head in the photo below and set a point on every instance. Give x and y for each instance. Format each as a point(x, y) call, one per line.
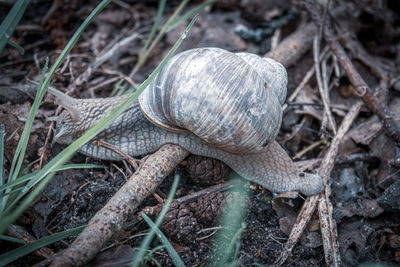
point(78, 115)
point(69, 122)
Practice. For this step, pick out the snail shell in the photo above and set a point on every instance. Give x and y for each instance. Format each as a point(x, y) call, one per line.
point(232, 101)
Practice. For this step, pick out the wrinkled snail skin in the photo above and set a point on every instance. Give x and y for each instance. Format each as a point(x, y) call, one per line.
point(209, 101)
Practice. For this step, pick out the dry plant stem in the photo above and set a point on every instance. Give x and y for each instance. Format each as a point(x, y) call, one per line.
point(322, 87)
point(20, 233)
point(110, 218)
point(329, 231)
point(122, 76)
point(328, 224)
point(154, 210)
point(104, 57)
point(132, 161)
point(305, 80)
point(275, 39)
point(304, 216)
point(363, 90)
point(46, 144)
point(106, 82)
point(290, 50)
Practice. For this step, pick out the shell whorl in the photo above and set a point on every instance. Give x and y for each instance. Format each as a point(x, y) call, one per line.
point(273, 73)
point(220, 97)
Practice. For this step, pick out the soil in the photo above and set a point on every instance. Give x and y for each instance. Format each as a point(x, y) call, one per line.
point(365, 181)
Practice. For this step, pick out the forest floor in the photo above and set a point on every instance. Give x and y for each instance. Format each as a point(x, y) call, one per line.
point(365, 185)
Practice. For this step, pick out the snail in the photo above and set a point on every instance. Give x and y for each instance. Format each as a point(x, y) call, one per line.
point(209, 101)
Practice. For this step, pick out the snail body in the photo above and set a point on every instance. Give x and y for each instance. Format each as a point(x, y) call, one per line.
point(198, 102)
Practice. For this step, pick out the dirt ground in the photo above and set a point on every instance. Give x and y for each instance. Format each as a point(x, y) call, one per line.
point(365, 185)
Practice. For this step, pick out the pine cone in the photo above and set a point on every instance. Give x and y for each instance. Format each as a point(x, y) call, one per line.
point(180, 224)
point(206, 170)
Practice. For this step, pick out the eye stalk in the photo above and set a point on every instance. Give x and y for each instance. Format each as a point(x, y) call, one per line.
point(67, 102)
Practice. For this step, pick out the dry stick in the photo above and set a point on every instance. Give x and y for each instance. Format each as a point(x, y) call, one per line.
point(362, 88)
point(155, 210)
point(305, 80)
point(104, 57)
point(290, 50)
point(144, 181)
point(304, 216)
point(309, 205)
point(135, 163)
point(109, 219)
point(20, 233)
point(331, 248)
point(322, 86)
point(46, 145)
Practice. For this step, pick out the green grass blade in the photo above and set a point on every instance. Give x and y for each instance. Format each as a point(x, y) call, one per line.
point(2, 134)
point(43, 85)
point(11, 21)
point(2, 174)
point(157, 21)
point(232, 242)
point(21, 147)
point(144, 55)
point(23, 141)
point(20, 48)
point(146, 241)
point(12, 239)
point(188, 14)
point(232, 227)
point(17, 253)
point(25, 189)
point(164, 240)
point(29, 176)
point(62, 157)
point(149, 256)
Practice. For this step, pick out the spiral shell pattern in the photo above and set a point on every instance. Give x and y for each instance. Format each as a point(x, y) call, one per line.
point(232, 101)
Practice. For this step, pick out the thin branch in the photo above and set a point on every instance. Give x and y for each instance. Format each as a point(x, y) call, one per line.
point(305, 80)
point(322, 87)
point(362, 88)
point(309, 205)
point(110, 218)
point(290, 50)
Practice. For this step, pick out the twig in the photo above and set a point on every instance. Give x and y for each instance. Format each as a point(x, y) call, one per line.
point(20, 233)
point(290, 50)
point(122, 76)
point(309, 148)
point(110, 218)
point(154, 210)
point(362, 88)
point(46, 145)
point(104, 57)
point(305, 80)
point(309, 205)
point(135, 163)
point(275, 39)
point(106, 82)
point(304, 216)
point(322, 86)
point(329, 234)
